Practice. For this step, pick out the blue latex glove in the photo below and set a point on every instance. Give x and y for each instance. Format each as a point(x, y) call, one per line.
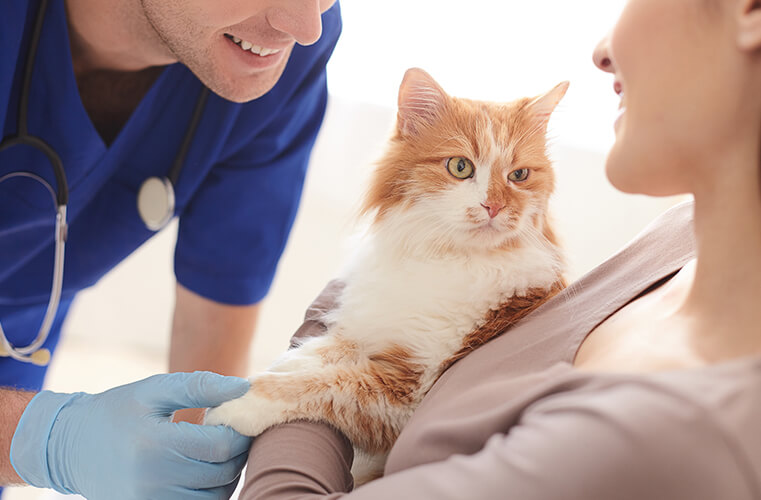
point(122, 445)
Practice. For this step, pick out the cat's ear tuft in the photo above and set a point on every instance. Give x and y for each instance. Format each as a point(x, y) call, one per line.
point(421, 101)
point(542, 107)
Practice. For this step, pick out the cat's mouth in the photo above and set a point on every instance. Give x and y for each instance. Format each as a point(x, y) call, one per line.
point(489, 227)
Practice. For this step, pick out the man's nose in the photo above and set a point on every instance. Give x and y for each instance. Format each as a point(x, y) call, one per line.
point(601, 56)
point(301, 19)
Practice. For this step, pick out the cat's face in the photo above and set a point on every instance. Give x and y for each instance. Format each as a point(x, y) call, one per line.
point(462, 175)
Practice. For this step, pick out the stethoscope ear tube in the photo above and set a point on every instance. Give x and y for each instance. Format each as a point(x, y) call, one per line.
point(62, 191)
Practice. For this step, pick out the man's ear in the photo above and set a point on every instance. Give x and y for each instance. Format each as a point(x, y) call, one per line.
point(749, 25)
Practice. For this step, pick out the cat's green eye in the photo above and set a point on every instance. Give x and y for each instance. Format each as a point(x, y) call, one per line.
point(519, 175)
point(460, 167)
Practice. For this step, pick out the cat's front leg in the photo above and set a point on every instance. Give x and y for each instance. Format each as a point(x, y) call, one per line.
point(367, 467)
point(252, 413)
point(299, 385)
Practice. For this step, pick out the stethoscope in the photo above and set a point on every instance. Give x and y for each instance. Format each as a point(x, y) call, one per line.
point(155, 199)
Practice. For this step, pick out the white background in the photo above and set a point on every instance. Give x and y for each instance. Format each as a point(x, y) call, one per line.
point(484, 49)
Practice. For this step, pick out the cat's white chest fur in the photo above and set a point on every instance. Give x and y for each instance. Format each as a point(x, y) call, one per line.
point(429, 303)
point(419, 308)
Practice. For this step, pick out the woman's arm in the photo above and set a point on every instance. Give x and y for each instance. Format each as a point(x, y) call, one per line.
point(628, 442)
point(314, 325)
point(300, 458)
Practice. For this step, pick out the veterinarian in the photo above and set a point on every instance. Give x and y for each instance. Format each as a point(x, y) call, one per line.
point(117, 116)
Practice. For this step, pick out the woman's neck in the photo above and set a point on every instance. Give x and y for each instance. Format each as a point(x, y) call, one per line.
point(724, 301)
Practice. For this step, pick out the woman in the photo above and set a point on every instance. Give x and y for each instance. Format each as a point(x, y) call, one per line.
point(643, 379)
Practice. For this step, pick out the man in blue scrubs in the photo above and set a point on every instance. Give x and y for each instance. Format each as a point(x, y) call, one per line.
point(113, 90)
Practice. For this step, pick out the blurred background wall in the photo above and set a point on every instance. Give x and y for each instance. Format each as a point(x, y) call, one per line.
point(118, 331)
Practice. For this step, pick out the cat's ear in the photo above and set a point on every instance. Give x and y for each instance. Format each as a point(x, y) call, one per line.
point(421, 101)
point(542, 107)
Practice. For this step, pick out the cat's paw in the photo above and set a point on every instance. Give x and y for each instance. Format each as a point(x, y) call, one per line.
point(249, 414)
point(228, 413)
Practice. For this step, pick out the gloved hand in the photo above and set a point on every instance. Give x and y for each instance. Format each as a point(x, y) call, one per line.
point(122, 445)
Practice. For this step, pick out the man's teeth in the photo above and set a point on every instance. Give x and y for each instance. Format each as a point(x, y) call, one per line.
point(260, 51)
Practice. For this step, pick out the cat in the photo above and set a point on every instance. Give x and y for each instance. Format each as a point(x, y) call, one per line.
point(460, 247)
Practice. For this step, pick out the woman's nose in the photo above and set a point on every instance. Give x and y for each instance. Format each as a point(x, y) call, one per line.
point(301, 19)
point(601, 56)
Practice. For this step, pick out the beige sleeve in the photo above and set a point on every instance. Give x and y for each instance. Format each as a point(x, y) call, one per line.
point(624, 443)
point(314, 325)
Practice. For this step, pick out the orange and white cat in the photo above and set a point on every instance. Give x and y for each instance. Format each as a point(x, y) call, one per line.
point(460, 247)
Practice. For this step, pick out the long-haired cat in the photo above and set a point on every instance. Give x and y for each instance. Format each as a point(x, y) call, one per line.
point(459, 248)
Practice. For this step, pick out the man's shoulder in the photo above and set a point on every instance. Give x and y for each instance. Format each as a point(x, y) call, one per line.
point(16, 14)
point(332, 23)
point(307, 63)
point(13, 21)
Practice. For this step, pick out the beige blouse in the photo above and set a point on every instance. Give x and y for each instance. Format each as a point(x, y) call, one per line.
point(515, 420)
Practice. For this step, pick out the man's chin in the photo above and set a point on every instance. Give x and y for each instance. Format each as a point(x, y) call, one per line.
point(242, 91)
point(230, 77)
point(242, 97)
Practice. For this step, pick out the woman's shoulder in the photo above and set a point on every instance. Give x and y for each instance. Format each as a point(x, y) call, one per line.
point(565, 433)
point(669, 426)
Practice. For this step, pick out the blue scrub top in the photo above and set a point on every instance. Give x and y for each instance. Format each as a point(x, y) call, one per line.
point(236, 197)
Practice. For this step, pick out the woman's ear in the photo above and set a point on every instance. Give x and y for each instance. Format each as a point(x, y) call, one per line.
point(749, 25)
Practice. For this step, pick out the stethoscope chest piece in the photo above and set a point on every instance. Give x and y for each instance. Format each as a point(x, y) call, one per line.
point(155, 202)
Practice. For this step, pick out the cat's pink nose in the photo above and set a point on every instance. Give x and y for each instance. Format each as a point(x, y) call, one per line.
point(493, 208)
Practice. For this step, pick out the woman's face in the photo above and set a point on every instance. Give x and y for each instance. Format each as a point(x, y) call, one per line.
point(679, 73)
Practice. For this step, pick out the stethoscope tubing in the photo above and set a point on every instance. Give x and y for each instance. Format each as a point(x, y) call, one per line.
point(23, 353)
point(60, 198)
point(61, 193)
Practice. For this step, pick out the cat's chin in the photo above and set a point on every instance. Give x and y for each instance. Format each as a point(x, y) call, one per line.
point(489, 230)
point(487, 236)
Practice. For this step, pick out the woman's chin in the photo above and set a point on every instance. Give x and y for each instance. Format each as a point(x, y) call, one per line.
point(621, 168)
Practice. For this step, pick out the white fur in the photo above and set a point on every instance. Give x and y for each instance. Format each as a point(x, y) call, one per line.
point(409, 296)
point(398, 291)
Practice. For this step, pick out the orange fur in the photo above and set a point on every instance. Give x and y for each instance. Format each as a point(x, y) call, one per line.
point(431, 128)
point(500, 320)
point(387, 378)
point(415, 164)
